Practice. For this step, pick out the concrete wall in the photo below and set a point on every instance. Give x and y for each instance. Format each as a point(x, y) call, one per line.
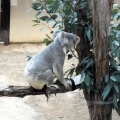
point(21, 25)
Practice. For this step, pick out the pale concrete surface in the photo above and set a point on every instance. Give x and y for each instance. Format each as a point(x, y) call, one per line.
point(67, 106)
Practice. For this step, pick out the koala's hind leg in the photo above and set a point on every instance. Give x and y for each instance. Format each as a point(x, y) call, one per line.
point(42, 79)
point(49, 78)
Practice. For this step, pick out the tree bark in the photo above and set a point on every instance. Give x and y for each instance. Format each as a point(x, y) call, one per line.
point(101, 11)
point(101, 22)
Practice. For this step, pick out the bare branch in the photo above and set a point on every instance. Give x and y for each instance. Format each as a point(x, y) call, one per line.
point(22, 91)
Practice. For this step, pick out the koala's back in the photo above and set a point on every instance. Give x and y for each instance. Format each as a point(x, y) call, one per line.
point(44, 59)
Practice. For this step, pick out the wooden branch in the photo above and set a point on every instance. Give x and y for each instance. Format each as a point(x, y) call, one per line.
point(22, 91)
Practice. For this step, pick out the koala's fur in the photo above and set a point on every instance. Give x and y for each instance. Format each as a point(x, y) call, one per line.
point(41, 67)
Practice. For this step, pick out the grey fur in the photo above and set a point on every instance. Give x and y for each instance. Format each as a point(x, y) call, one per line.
point(41, 67)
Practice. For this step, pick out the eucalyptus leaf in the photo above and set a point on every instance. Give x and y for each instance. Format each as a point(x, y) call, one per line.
point(113, 78)
point(44, 18)
point(114, 49)
point(115, 101)
point(90, 62)
point(38, 13)
point(118, 68)
point(118, 77)
point(84, 59)
point(83, 5)
point(36, 21)
point(113, 63)
point(36, 24)
point(54, 16)
point(116, 87)
point(89, 34)
point(107, 78)
point(29, 57)
point(106, 91)
point(87, 80)
point(118, 107)
point(115, 43)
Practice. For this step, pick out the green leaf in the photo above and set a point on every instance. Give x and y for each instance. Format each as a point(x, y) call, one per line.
point(114, 12)
point(38, 13)
point(59, 23)
point(36, 24)
point(82, 22)
point(89, 63)
point(49, 20)
point(36, 5)
point(116, 87)
point(83, 5)
point(56, 5)
point(113, 63)
point(45, 40)
point(107, 78)
point(89, 33)
point(48, 42)
point(118, 8)
point(87, 80)
point(73, 18)
point(54, 16)
point(118, 27)
point(44, 18)
point(118, 107)
point(49, 1)
point(115, 101)
point(29, 57)
point(114, 49)
point(118, 77)
point(84, 59)
point(36, 21)
point(113, 78)
point(118, 68)
point(118, 54)
point(106, 91)
point(118, 17)
point(115, 43)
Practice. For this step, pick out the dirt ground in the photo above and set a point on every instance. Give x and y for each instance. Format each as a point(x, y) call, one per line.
point(68, 106)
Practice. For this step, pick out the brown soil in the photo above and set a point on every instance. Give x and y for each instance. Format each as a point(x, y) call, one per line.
point(67, 106)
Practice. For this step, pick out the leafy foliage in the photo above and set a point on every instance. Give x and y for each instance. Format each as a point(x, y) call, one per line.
point(64, 14)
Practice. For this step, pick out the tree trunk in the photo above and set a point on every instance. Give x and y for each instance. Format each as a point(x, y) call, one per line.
point(101, 22)
point(98, 110)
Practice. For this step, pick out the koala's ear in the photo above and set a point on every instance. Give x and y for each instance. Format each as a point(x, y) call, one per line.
point(64, 40)
point(56, 33)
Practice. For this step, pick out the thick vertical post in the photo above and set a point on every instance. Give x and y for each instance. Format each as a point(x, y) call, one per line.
point(101, 23)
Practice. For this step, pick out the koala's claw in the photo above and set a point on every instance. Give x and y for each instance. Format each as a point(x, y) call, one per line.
point(66, 85)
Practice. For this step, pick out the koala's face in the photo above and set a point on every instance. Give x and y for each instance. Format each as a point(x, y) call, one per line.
point(72, 40)
point(67, 40)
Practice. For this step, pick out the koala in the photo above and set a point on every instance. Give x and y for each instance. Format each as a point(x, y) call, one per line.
point(42, 66)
